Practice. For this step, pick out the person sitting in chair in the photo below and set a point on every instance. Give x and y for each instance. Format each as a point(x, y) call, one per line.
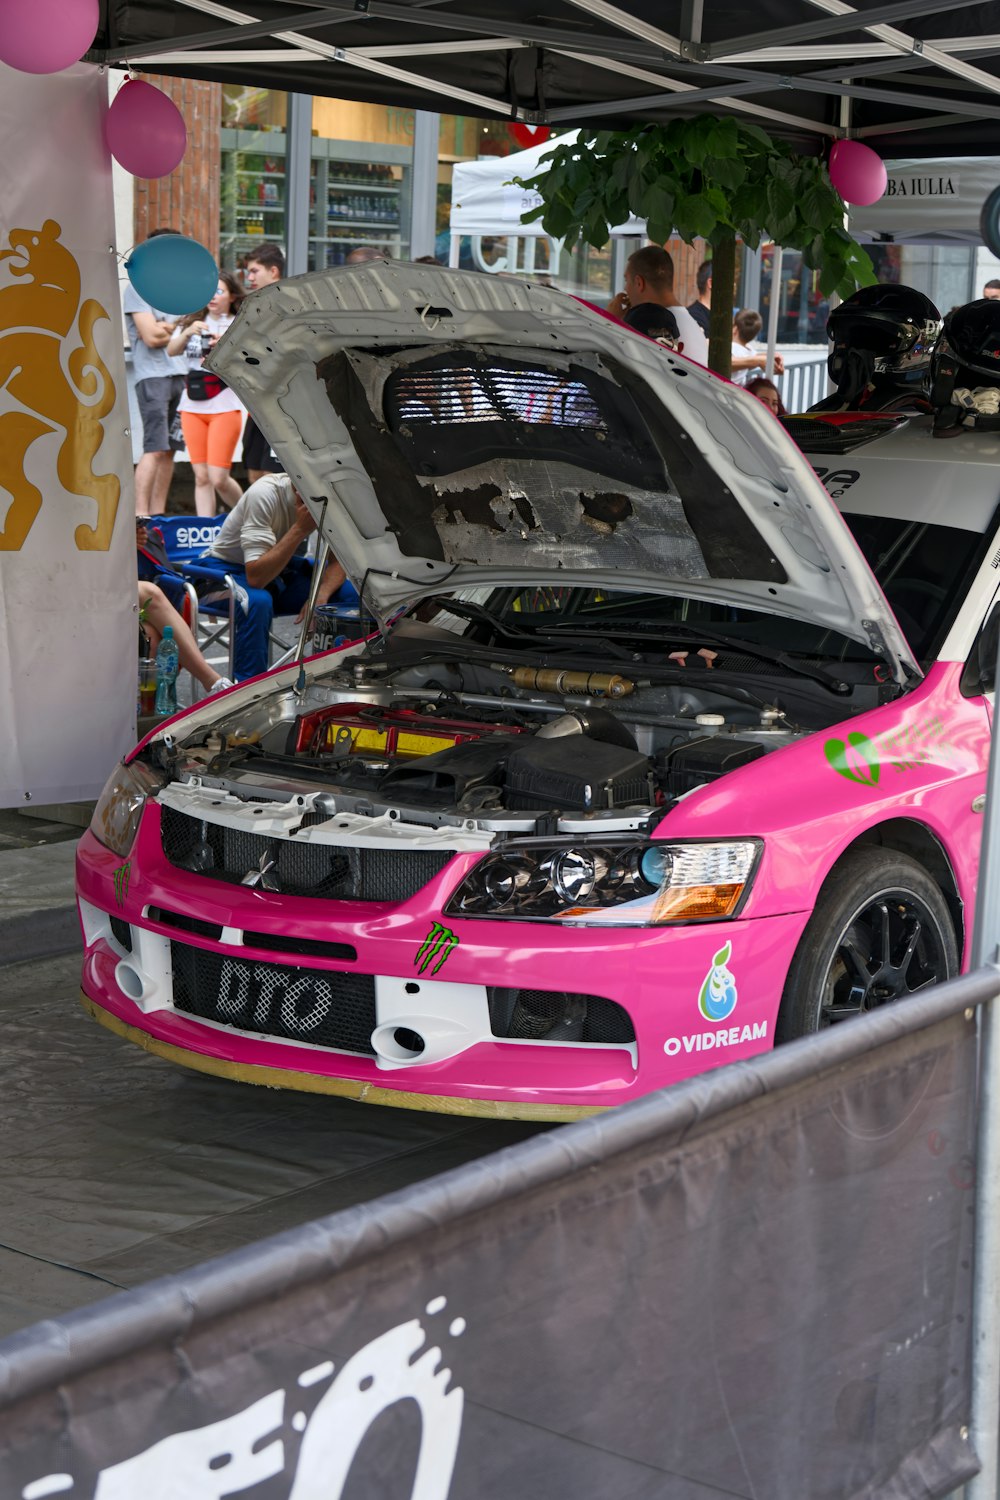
point(156, 612)
point(157, 609)
point(262, 543)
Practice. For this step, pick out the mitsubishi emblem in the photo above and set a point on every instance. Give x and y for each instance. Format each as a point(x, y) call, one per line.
point(265, 877)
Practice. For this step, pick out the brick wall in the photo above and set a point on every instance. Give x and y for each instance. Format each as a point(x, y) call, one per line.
point(687, 259)
point(187, 200)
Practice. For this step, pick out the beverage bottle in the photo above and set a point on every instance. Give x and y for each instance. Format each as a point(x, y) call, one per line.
point(167, 663)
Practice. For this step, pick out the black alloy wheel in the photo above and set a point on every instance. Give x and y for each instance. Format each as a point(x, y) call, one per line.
point(881, 932)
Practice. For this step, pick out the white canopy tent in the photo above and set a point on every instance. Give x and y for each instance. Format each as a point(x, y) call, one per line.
point(486, 203)
point(937, 201)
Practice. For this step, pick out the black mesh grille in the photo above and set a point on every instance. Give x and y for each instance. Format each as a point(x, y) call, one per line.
point(298, 869)
point(303, 1005)
point(122, 932)
point(554, 1015)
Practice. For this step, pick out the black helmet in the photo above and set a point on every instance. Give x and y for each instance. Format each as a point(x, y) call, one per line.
point(881, 336)
point(967, 361)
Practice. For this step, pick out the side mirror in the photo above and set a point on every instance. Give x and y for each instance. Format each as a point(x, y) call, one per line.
point(980, 672)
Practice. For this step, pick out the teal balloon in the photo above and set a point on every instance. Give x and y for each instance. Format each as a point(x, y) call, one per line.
point(173, 273)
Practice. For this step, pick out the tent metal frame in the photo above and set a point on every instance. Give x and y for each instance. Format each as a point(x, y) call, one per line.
point(792, 76)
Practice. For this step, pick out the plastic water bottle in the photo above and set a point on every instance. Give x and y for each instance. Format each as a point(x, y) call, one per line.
point(167, 663)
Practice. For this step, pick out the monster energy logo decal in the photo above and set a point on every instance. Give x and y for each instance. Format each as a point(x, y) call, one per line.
point(121, 881)
point(437, 945)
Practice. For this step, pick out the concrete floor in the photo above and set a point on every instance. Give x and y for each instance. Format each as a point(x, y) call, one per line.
point(117, 1167)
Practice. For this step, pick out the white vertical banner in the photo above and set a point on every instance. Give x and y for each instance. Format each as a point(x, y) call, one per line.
point(67, 558)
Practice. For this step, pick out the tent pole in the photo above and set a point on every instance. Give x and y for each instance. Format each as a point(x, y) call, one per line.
point(297, 183)
point(772, 311)
point(986, 1272)
point(423, 198)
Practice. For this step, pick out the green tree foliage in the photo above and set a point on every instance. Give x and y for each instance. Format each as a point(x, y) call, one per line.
point(703, 178)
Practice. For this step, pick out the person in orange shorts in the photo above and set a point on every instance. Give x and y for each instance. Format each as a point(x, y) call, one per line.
point(211, 416)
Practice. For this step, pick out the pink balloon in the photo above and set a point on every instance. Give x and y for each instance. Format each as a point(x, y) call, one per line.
point(145, 130)
point(45, 36)
point(857, 172)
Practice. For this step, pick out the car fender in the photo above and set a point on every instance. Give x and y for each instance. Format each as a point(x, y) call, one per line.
point(923, 757)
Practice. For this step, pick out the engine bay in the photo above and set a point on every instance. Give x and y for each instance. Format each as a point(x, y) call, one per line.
point(438, 729)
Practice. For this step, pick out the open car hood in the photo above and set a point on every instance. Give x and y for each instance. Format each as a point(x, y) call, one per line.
point(452, 429)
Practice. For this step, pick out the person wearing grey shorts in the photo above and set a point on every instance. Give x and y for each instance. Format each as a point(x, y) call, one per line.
point(159, 383)
point(158, 397)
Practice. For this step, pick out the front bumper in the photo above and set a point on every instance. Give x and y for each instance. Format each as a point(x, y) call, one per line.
point(200, 972)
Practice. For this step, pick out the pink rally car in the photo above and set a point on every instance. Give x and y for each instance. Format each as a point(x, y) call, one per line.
point(656, 759)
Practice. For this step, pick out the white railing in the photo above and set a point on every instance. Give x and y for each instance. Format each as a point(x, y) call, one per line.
point(805, 380)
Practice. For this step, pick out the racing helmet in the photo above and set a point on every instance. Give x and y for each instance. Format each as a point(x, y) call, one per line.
point(965, 370)
point(882, 336)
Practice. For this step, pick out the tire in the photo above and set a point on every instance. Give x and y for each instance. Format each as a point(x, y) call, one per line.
point(880, 932)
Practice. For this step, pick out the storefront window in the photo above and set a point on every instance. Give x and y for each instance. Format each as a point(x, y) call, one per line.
point(945, 273)
point(359, 182)
point(245, 107)
point(360, 188)
point(252, 178)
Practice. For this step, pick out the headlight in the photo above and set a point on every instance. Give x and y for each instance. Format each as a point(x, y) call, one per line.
point(119, 807)
point(611, 883)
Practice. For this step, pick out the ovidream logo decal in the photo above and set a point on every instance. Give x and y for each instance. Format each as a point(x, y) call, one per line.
point(122, 875)
point(437, 945)
point(717, 999)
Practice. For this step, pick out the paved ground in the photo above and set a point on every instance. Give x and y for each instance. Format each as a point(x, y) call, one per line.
point(116, 1167)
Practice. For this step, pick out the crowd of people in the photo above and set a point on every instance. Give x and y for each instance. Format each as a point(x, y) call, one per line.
point(262, 543)
point(650, 305)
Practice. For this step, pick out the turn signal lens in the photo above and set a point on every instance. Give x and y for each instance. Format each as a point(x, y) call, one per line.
point(620, 883)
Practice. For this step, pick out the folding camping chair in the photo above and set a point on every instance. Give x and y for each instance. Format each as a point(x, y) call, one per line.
point(208, 597)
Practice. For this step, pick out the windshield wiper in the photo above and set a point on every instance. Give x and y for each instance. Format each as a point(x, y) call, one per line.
point(504, 626)
point(710, 638)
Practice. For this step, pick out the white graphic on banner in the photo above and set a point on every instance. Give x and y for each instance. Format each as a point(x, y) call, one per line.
point(233, 1455)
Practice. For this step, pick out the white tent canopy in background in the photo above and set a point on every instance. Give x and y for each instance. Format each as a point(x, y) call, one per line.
point(930, 201)
point(485, 202)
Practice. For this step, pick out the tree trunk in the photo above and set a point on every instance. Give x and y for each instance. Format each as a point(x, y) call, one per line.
point(720, 317)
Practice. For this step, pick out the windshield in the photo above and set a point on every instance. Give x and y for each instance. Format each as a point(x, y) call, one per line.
point(925, 571)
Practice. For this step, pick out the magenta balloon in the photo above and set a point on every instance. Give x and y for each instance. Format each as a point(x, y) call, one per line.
point(145, 130)
point(857, 172)
point(45, 36)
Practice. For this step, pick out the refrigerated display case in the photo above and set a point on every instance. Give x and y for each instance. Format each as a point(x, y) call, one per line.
point(358, 195)
point(357, 203)
point(252, 199)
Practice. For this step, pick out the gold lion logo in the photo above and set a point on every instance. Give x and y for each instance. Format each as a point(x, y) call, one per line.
point(35, 319)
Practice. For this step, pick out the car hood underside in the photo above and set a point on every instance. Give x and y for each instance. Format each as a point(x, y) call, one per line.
point(452, 430)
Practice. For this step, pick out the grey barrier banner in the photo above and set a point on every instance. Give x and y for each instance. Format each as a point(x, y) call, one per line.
point(756, 1285)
